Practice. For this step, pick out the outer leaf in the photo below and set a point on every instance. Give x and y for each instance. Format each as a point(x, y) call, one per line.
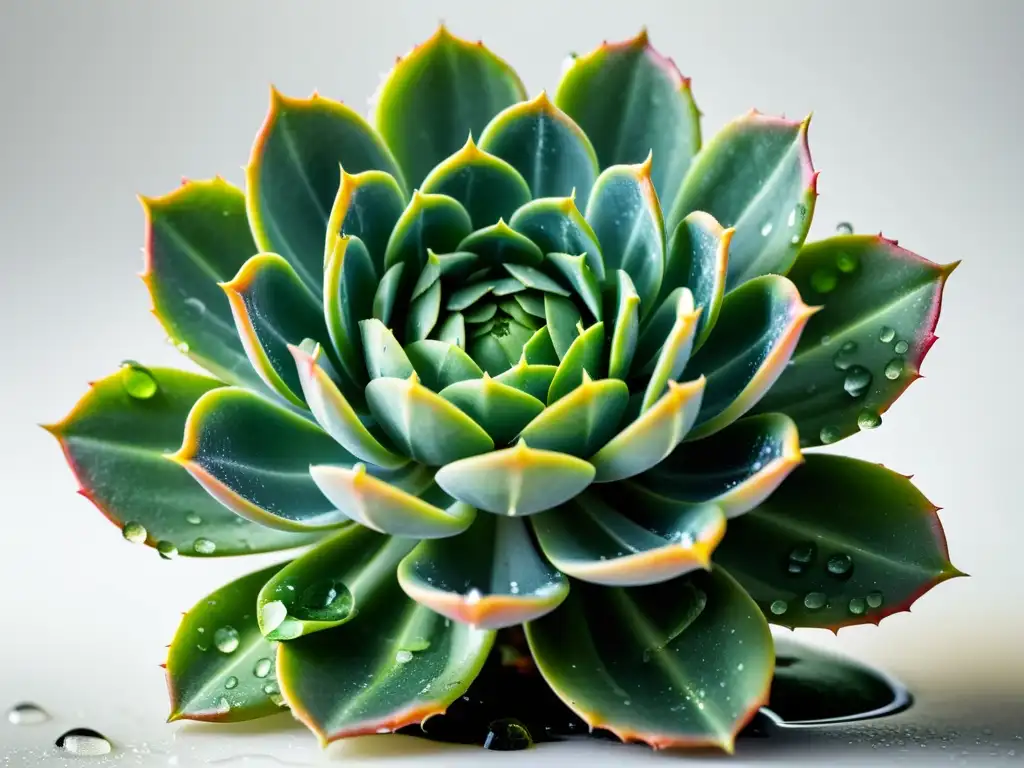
point(490, 576)
point(206, 682)
point(743, 358)
point(502, 410)
point(397, 665)
point(488, 188)
point(698, 256)
point(516, 481)
point(325, 587)
point(337, 417)
point(631, 100)
point(272, 309)
point(387, 508)
point(367, 206)
point(735, 469)
point(423, 424)
point(292, 176)
point(584, 357)
point(879, 548)
point(196, 237)
point(754, 175)
point(544, 144)
point(556, 225)
point(253, 457)
point(881, 306)
point(115, 445)
point(384, 355)
point(386, 295)
point(653, 436)
point(596, 540)
point(442, 91)
point(626, 218)
point(649, 663)
point(582, 421)
point(348, 275)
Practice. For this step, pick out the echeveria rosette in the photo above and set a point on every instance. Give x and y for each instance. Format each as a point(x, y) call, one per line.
point(496, 361)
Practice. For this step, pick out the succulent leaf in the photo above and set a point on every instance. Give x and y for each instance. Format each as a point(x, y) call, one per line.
point(515, 481)
point(626, 217)
point(424, 425)
point(396, 664)
point(698, 257)
point(440, 364)
point(630, 100)
point(219, 667)
point(386, 295)
point(757, 330)
point(582, 279)
point(272, 309)
point(502, 410)
point(548, 149)
point(879, 548)
point(582, 421)
point(653, 436)
point(756, 176)
point(347, 301)
point(584, 357)
point(490, 576)
point(116, 444)
point(253, 457)
point(626, 330)
point(736, 469)
point(648, 663)
point(500, 244)
point(562, 319)
point(442, 91)
point(595, 540)
point(488, 188)
point(325, 587)
point(384, 355)
point(862, 351)
point(532, 378)
point(556, 225)
point(367, 206)
point(675, 351)
point(292, 176)
point(196, 237)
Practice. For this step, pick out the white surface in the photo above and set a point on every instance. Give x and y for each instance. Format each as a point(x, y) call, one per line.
point(917, 122)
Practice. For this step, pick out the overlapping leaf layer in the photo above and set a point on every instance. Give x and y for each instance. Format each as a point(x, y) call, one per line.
point(501, 361)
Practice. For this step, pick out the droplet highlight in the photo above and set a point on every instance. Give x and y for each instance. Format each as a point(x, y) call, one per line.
point(134, 532)
point(901, 347)
point(847, 262)
point(824, 280)
point(84, 742)
point(814, 600)
point(262, 668)
point(779, 607)
point(840, 565)
point(193, 519)
point(857, 381)
point(507, 735)
point(166, 550)
point(894, 369)
point(844, 228)
point(137, 381)
point(874, 600)
point(886, 334)
point(868, 419)
point(403, 657)
point(226, 639)
point(857, 606)
point(231, 683)
point(204, 546)
point(27, 713)
point(829, 434)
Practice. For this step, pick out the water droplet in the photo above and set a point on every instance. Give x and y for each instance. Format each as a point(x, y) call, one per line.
point(829, 434)
point(868, 419)
point(858, 379)
point(513, 587)
point(840, 565)
point(193, 519)
point(262, 668)
point(901, 347)
point(277, 700)
point(874, 600)
point(779, 607)
point(204, 546)
point(843, 359)
point(166, 550)
point(27, 713)
point(403, 657)
point(766, 229)
point(223, 706)
point(226, 639)
point(328, 600)
point(886, 334)
point(271, 688)
point(182, 346)
point(739, 667)
point(137, 381)
point(417, 644)
point(507, 735)
point(83, 742)
point(857, 606)
point(846, 262)
point(134, 532)
point(791, 221)
point(231, 683)
point(802, 556)
point(794, 239)
point(196, 305)
point(894, 369)
point(814, 600)
point(824, 280)
point(844, 228)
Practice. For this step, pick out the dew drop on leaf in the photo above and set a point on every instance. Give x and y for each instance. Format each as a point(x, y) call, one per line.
point(779, 607)
point(83, 742)
point(843, 359)
point(766, 229)
point(271, 689)
point(226, 639)
point(223, 706)
point(858, 379)
point(894, 369)
point(166, 550)
point(231, 683)
point(874, 600)
point(193, 519)
point(901, 347)
point(868, 419)
point(840, 565)
point(507, 735)
point(418, 644)
point(814, 600)
point(844, 228)
point(196, 305)
point(824, 280)
point(137, 381)
point(204, 546)
point(27, 713)
point(272, 615)
point(886, 334)
point(846, 262)
point(134, 532)
point(857, 606)
point(829, 434)
point(328, 600)
point(403, 657)
point(262, 668)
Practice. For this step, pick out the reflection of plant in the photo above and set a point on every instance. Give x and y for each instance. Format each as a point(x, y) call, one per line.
point(531, 391)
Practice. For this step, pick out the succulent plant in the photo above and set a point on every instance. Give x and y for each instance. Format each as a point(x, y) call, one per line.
point(497, 361)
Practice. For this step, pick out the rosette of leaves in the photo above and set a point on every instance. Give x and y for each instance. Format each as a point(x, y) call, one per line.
point(497, 360)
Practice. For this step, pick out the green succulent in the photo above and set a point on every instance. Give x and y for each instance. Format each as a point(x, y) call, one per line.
point(498, 361)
